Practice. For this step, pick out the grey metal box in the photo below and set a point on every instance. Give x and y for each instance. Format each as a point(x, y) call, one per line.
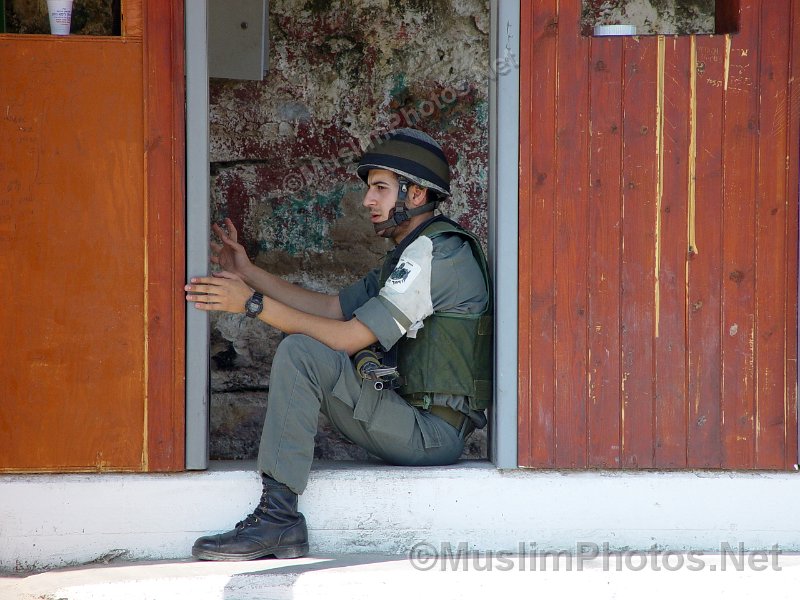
point(238, 39)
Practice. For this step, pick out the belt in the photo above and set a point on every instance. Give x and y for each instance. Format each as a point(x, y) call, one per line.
point(453, 417)
point(449, 415)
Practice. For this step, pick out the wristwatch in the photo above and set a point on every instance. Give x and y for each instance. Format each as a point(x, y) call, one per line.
point(254, 305)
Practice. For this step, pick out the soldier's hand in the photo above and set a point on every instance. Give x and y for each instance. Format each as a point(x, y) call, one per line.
point(230, 255)
point(223, 291)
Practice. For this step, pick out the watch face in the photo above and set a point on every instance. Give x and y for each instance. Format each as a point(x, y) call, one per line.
point(254, 305)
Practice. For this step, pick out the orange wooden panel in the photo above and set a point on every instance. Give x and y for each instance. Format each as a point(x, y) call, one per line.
point(674, 90)
point(771, 237)
point(640, 210)
point(571, 238)
point(704, 443)
point(740, 155)
point(71, 163)
point(164, 98)
point(536, 253)
point(605, 243)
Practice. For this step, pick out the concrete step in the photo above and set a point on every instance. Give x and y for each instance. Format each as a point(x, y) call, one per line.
point(49, 521)
point(395, 577)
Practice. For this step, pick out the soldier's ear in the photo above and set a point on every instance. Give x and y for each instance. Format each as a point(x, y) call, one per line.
point(417, 195)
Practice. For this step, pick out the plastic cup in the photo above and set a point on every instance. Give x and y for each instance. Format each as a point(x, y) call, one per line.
point(614, 30)
point(60, 12)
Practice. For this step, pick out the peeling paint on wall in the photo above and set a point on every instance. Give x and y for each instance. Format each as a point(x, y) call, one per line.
point(284, 152)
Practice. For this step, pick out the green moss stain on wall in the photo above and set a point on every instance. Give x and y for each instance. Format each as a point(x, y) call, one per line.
point(301, 223)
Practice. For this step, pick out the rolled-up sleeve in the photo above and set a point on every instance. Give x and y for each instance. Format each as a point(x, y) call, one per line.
point(378, 317)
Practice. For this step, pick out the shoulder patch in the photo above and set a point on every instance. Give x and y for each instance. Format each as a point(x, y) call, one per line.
point(404, 274)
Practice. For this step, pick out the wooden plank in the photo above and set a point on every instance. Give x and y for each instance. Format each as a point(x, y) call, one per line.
point(133, 18)
point(605, 245)
point(673, 174)
point(740, 152)
point(727, 16)
point(771, 217)
point(525, 259)
point(165, 189)
point(704, 443)
point(537, 200)
point(71, 210)
point(571, 239)
point(639, 246)
point(792, 227)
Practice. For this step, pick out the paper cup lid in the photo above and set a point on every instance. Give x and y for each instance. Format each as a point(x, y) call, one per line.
point(615, 29)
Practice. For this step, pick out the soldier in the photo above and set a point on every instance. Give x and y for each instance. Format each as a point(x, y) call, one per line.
point(427, 312)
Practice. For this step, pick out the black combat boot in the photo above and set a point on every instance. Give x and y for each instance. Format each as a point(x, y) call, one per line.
point(275, 528)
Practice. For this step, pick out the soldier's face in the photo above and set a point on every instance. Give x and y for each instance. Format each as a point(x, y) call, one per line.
point(381, 194)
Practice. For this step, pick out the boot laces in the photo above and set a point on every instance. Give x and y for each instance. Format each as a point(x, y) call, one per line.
point(251, 519)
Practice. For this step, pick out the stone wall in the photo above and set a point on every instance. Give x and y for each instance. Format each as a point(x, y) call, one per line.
point(651, 16)
point(284, 151)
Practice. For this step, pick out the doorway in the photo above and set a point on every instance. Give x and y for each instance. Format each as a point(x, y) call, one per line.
point(282, 153)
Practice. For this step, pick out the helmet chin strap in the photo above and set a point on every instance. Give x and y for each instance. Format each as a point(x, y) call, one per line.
point(401, 213)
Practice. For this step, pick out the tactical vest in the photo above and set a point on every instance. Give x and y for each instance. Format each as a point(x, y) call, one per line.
point(452, 353)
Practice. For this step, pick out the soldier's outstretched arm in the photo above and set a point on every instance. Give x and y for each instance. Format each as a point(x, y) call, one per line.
point(228, 292)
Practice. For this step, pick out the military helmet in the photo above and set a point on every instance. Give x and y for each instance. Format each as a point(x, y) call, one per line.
point(411, 154)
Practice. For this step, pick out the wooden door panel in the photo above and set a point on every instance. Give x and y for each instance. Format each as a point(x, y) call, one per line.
point(677, 237)
point(91, 214)
point(73, 254)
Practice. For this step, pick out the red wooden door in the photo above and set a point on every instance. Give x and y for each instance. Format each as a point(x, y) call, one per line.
point(658, 243)
point(91, 214)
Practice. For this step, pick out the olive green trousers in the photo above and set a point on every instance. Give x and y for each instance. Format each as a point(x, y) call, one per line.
point(308, 376)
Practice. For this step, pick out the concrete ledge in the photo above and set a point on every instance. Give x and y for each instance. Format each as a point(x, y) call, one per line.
point(58, 520)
